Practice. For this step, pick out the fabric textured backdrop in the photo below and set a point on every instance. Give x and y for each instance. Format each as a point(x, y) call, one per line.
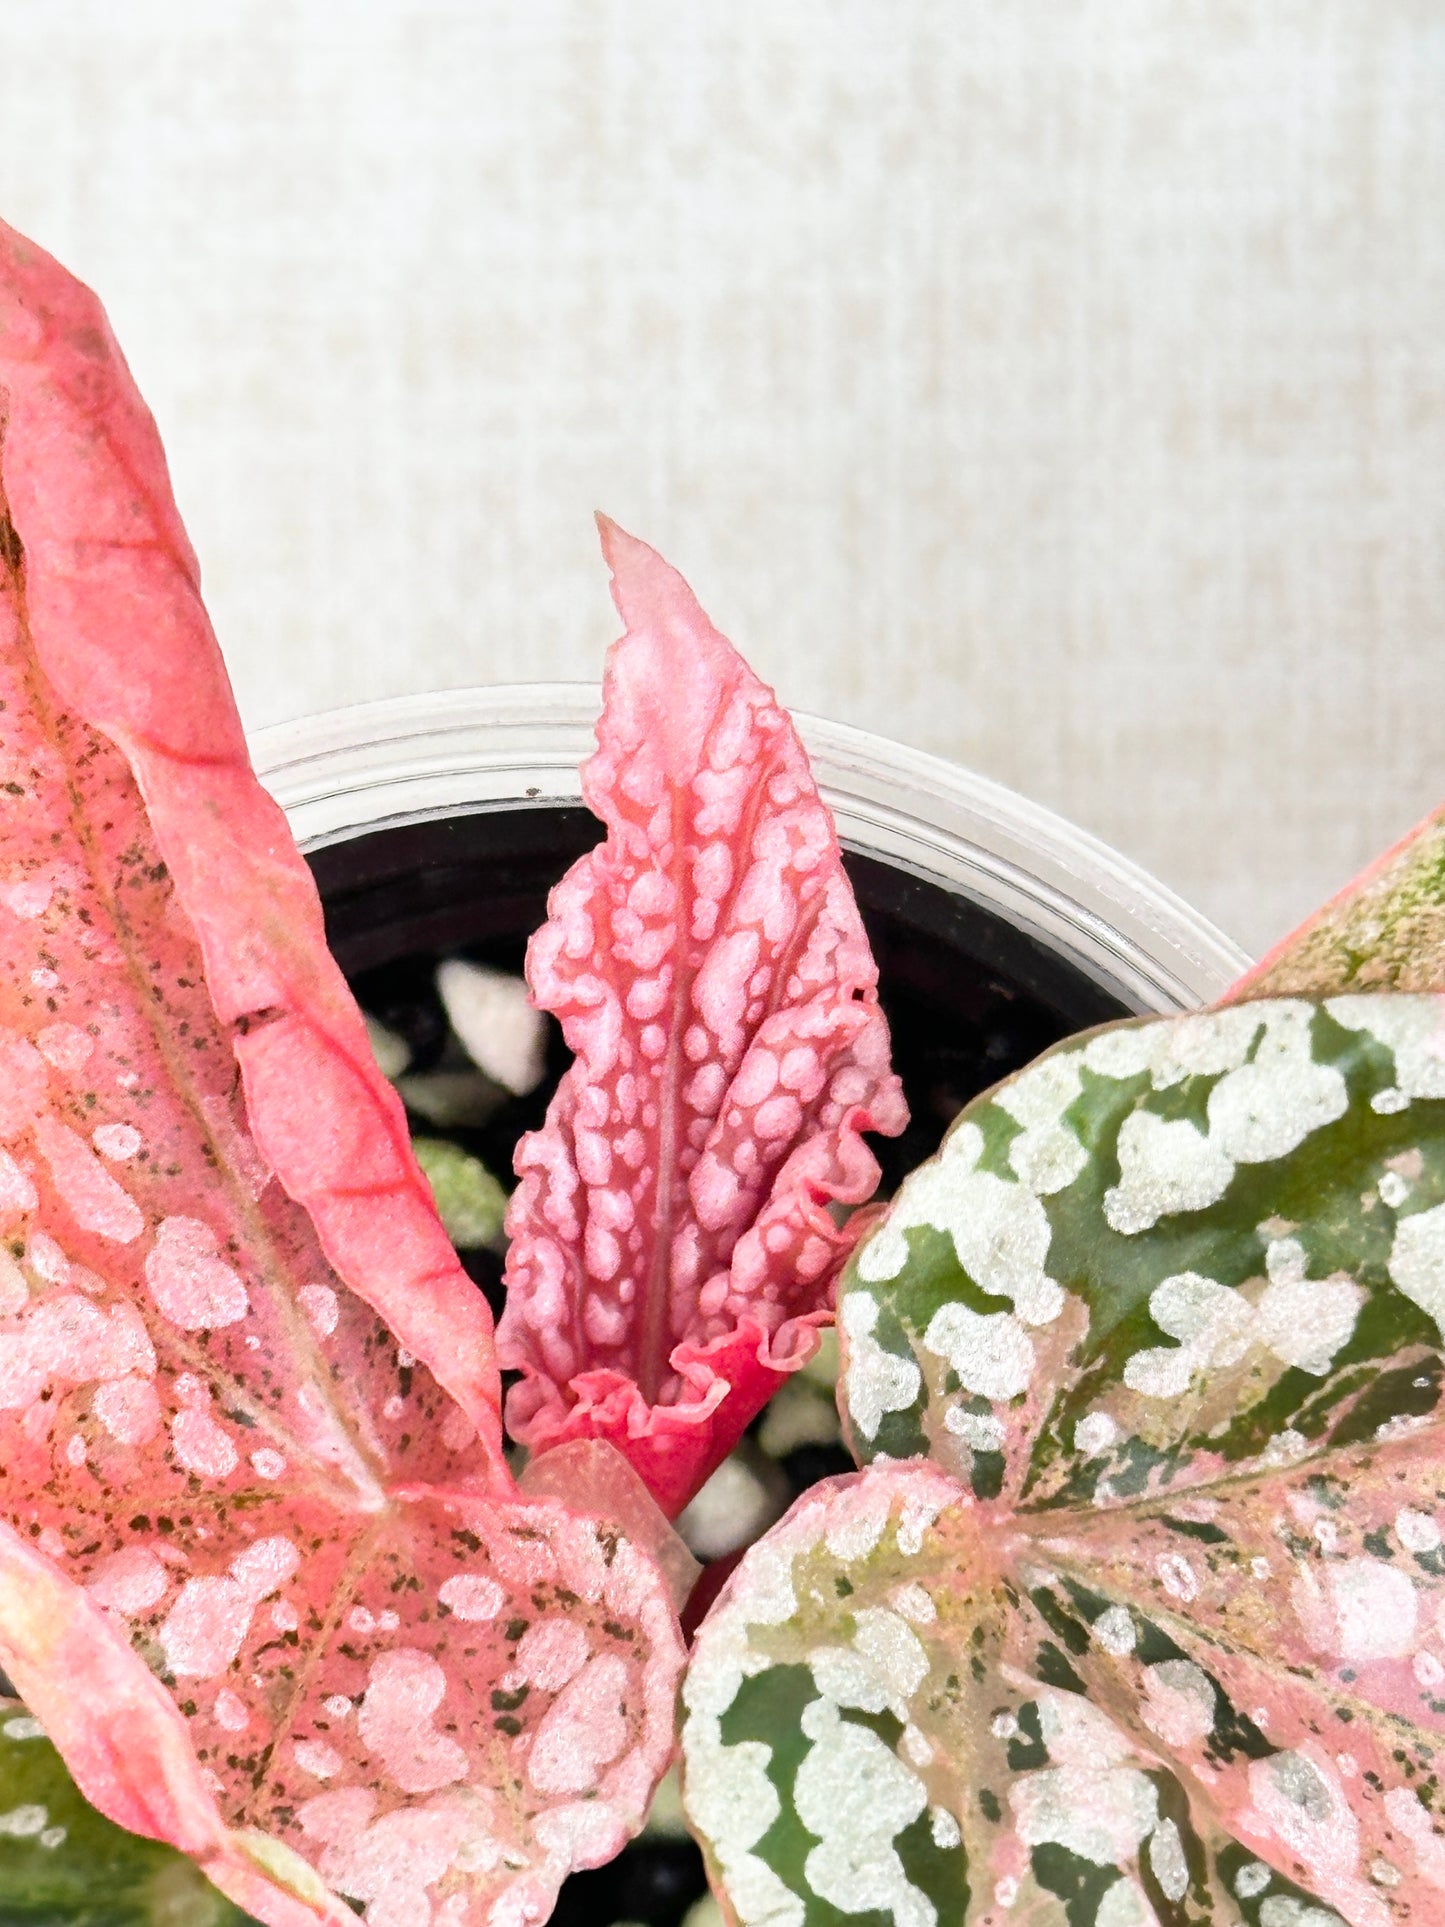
point(1057, 386)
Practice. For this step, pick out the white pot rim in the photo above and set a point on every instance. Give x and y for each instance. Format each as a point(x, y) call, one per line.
point(408, 759)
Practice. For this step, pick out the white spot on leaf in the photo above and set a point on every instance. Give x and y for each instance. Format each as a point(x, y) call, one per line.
point(856, 1796)
point(991, 1352)
point(404, 1690)
point(1180, 1701)
point(1095, 1433)
point(205, 1629)
point(201, 1445)
point(1165, 1165)
point(118, 1142)
point(583, 1730)
point(471, 1596)
point(129, 1581)
point(315, 1757)
point(96, 1202)
point(1417, 1261)
point(321, 1308)
point(551, 1652)
point(877, 1381)
point(191, 1283)
point(1376, 1608)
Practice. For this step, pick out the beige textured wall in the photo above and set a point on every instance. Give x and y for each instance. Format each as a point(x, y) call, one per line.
point(1057, 384)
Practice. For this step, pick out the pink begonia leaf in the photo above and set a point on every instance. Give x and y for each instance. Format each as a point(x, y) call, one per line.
point(264, 1575)
point(114, 616)
point(673, 1252)
point(1383, 931)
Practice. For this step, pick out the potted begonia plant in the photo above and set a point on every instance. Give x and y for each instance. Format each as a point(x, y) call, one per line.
point(1130, 1615)
point(436, 826)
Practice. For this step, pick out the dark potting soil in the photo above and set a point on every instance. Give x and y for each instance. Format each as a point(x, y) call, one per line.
point(968, 996)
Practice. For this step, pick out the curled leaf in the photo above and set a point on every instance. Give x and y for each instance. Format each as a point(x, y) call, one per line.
point(264, 1577)
point(672, 1246)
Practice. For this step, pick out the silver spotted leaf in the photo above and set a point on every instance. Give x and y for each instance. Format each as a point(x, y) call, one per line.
point(1150, 1629)
point(1165, 1254)
point(901, 1714)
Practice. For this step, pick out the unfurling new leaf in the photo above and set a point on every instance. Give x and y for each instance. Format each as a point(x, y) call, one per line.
point(672, 1249)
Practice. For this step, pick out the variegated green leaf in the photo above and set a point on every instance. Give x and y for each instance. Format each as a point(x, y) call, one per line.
point(1169, 1648)
point(1166, 1254)
point(901, 1714)
point(63, 1865)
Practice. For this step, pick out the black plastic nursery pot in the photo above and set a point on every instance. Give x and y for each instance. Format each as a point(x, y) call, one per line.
point(435, 828)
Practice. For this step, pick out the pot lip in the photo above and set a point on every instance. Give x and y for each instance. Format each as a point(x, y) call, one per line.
point(408, 759)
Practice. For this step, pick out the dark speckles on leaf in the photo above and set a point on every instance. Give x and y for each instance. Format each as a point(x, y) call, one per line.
point(1074, 1636)
point(1235, 1733)
point(1026, 1749)
point(1054, 1670)
point(1079, 1883)
point(1201, 1529)
point(987, 1474)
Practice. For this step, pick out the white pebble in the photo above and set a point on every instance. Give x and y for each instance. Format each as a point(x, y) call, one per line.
point(731, 1510)
point(493, 1015)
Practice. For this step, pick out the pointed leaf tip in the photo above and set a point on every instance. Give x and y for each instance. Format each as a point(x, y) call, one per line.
point(619, 546)
point(672, 1246)
point(627, 558)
